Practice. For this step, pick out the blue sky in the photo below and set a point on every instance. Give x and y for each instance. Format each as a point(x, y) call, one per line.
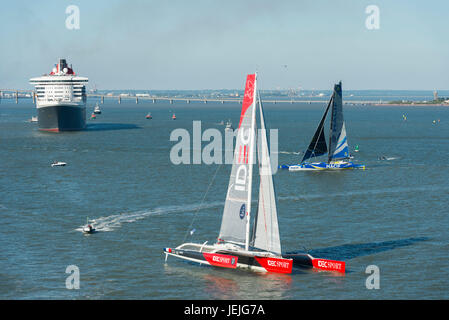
point(213, 44)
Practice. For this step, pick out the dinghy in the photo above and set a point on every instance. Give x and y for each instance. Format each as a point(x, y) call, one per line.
point(256, 248)
point(338, 153)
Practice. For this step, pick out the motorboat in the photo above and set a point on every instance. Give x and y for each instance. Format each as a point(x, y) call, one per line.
point(88, 228)
point(58, 164)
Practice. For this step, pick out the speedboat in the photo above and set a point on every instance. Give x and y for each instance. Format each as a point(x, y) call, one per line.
point(58, 164)
point(149, 116)
point(88, 229)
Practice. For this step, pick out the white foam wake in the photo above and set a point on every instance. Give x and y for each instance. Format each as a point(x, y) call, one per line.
point(112, 222)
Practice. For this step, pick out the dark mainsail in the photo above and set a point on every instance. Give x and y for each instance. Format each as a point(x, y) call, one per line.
point(318, 146)
point(338, 145)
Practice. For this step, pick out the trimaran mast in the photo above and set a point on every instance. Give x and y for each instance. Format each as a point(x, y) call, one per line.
point(251, 159)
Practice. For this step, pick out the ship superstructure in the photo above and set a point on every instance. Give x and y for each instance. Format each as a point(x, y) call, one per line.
point(61, 99)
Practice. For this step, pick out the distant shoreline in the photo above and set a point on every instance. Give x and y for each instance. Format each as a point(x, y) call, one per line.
point(412, 104)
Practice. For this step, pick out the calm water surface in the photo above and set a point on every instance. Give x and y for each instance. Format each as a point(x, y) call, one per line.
point(393, 214)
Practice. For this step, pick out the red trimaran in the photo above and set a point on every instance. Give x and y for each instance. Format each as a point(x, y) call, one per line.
point(237, 246)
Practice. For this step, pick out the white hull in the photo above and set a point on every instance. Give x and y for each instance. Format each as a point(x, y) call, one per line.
point(60, 103)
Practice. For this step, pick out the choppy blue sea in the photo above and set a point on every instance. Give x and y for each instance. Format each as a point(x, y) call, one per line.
point(393, 215)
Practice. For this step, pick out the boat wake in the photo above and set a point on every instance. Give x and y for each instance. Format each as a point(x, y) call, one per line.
point(384, 158)
point(115, 221)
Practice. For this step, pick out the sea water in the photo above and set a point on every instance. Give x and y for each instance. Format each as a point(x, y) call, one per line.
point(393, 215)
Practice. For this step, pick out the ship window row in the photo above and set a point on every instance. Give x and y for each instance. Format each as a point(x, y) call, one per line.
point(57, 98)
point(58, 81)
point(59, 85)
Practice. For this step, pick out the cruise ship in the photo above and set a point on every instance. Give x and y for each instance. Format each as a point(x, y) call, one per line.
point(61, 99)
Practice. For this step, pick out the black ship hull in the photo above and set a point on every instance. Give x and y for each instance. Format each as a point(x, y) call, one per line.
point(61, 118)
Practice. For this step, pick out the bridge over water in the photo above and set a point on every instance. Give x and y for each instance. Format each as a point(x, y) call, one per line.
point(30, 94)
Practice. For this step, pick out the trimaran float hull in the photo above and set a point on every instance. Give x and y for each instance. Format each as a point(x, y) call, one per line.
point(313, 166)
point(234, 259)
point(251, 261)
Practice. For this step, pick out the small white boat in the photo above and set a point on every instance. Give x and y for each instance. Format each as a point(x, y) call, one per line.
point(33, 119)
point(229, 126)
point(97, 109)
point(88, 228)
point(58, 164)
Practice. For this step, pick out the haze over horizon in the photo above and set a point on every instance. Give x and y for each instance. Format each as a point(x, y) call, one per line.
point(178, 45)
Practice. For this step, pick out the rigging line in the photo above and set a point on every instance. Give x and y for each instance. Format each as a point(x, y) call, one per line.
point(202, 201)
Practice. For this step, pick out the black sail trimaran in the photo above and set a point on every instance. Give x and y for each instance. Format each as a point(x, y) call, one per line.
point(338, 153)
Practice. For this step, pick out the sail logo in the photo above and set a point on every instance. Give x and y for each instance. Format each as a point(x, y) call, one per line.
point(248, 98)
point(249, 92)
point(243, 156)
point(242, 211)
